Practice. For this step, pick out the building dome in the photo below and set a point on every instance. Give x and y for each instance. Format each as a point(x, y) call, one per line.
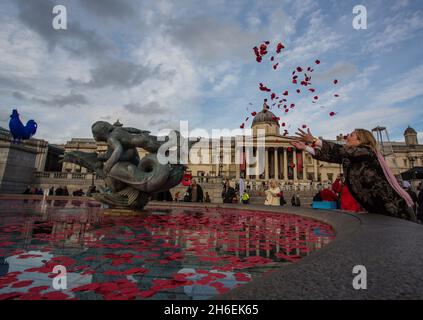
point(410, 136)
point(409, 130)
point(265, 116)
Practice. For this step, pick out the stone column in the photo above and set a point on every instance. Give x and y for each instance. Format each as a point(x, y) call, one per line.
point(285, 165)
point(294, 158)
point(276, 164)
point(266, 165)
point(315, 169)
point(304, 167)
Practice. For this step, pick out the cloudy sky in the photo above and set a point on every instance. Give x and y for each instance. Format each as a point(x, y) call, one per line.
point(151, 63)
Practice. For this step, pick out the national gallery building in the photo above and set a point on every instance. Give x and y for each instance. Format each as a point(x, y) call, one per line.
point(37, 163)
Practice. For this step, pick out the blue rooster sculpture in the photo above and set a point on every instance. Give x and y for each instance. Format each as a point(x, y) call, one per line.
point(18, 130)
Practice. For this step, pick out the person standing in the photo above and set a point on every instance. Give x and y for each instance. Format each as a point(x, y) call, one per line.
point(230, 193)
point(407, 187)
point(241, 188)
point(195, 192)
point(273, 194)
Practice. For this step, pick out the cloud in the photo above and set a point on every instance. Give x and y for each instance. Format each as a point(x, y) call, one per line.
point(118, 74)
point(71, 99)
point(407, 86)
point(13, 83)
point(120, 10)
point(37, 16)
point(398, 28)
point(18, 95)
point(340, 69)
point(149, 108)
point(213, 39)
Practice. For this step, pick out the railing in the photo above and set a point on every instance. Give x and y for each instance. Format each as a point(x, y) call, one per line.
point(65, 175)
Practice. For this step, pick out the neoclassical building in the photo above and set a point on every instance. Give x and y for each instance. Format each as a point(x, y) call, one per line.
point(41, 166)
point(281, 161)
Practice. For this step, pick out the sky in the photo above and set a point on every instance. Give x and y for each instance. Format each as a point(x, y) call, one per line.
point(152, 63)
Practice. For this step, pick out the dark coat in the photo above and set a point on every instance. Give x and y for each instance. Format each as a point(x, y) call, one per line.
point(229, 195)
point(365, 179)
point(420, 206)
point(200, 194)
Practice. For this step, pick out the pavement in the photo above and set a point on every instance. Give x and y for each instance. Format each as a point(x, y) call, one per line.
point(390, 249)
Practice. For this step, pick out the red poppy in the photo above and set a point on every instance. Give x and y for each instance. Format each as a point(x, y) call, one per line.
point(298, 90)
point(283, 124)
point(285, 93)
point(242, 126)
point(335, 81)
point(279, 47)
point(312, 90)
point(273, 96)
point(332, 114)
point(275, 66)
point(317, 61)
point(21, 284)
point(336, 95)
point(264, 88)
point(254, 113)
point(316, 97)
point(186, 179)
point(304, 126)
point(299, 69)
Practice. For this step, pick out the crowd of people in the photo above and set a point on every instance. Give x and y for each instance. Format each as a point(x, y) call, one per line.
point(60, 191)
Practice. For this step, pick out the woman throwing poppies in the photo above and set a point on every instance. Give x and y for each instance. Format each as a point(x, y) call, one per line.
point(367, 174)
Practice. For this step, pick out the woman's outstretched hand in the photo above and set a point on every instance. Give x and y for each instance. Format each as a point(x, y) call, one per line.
point(306, 137)
point(298, 144)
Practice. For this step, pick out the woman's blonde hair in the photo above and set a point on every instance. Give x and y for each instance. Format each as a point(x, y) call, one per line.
point(274, 182)
point(366, 139)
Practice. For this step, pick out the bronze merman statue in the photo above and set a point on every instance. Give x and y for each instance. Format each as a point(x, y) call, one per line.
point(129, 180)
